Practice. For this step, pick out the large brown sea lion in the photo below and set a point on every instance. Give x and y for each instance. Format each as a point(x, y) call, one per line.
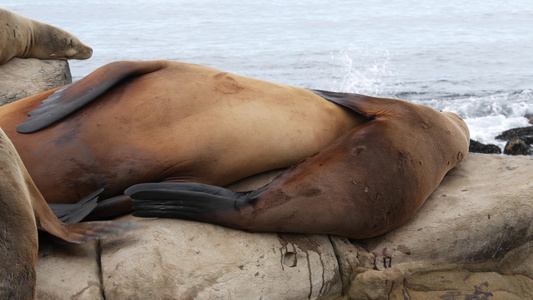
point(163, 121)
point(368, 182)
point(23, 210)
point(166, 121)
point(23, 37)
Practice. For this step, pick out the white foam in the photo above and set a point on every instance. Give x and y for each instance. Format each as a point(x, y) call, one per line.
point(364, 70)
point(485, 129)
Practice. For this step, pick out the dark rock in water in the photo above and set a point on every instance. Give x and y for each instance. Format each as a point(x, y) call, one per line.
point(517, 147)
point(529, 116)
point(519, 141)
point(516, 133)
point(478, 147)
point(528, 140)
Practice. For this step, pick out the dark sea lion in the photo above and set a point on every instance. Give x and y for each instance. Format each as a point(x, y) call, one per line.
point(167, 121)
point(23, 37)
point(23, 210)
point(367, 182)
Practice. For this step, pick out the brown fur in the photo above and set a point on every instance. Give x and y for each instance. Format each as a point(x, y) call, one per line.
point(23, 210)
point(171, 121)
point(378, 159)
point(18, 229)
point(367, 182)
point(370, 180)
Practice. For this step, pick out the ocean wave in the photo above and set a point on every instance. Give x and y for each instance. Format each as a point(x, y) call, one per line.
point(506, 104)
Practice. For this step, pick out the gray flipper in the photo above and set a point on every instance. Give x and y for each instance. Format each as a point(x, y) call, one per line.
point(189, 201)
point(74, 213)
point(70, 98)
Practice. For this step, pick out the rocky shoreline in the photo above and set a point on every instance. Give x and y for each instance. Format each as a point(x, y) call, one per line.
point(470, 240)
point(519, 142)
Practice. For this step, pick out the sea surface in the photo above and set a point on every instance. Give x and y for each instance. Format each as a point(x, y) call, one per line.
point(474, 58)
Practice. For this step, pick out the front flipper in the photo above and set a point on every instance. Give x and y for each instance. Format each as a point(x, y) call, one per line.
point(70, 98)
point(190, 201)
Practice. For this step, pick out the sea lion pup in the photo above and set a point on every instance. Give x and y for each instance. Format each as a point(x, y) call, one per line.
point(366, 183)
point(23, 210)
point(25, 38)
point(153, 121)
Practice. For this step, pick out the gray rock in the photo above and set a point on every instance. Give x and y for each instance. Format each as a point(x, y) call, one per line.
point(66, 271)
point(24, 77)
point(472, 238)
point(175, 259)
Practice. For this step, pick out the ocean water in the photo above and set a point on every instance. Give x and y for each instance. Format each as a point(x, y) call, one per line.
point(474, 58)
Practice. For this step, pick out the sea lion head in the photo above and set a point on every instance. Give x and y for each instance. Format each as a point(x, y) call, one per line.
point(459, 122)
point(457, 136)
point(50, 42)
point(72, 48)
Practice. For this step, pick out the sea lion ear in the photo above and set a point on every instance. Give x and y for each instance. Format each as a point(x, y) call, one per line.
point(367, 106)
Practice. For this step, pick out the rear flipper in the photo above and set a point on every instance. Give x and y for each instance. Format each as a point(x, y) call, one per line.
point(67, 228)
point(189, 201)
point(74, 213)
point(110, 208)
